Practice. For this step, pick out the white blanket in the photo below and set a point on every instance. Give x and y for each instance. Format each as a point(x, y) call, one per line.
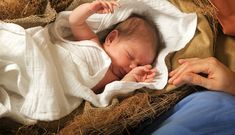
point(43, 75)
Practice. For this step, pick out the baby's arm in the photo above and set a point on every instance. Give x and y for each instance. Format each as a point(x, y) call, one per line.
point(77, 19)
point(141, 74)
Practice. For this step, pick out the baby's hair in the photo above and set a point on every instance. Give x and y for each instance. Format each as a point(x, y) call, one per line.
point(130, 25)
point(130, 28)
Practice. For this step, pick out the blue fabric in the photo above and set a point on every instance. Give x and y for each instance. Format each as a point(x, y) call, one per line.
point(201, 113)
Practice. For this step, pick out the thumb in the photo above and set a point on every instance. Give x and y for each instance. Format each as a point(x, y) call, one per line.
point(195, 79)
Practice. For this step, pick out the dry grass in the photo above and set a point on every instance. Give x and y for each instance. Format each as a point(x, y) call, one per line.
point(60, 5)
point(13, 9)
point(126, 115)
point(207, 9)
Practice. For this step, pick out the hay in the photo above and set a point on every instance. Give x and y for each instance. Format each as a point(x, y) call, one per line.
point(35, 12)
point(13, 9)
point(61, 5)
point(73, 5)
point(207, 9)
point(126, 115)
point(48, 16)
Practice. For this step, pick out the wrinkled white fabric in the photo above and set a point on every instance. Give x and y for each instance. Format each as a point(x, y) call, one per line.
point(50, 77)
point(44, 75)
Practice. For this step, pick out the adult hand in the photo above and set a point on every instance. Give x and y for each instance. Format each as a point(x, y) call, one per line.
point(216, 75)
point(103, 7)
point(141, 74)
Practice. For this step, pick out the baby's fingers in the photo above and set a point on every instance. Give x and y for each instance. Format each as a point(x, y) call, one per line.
point(148, 80)
point(106, 6)
point(113, 5)
point(154, 70)
point(109, 5)
point(152, 75)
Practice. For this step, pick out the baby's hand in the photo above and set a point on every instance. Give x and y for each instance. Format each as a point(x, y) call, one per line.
point(103, 7)
point(141, 74)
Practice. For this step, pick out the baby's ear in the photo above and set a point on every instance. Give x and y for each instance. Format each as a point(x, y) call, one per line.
point(111, 37)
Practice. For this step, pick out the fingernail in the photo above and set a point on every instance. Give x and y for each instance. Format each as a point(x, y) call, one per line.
point(171, 74)
point(170, 80)
point(181, 61)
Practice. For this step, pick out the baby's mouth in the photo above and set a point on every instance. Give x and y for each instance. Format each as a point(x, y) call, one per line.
point(122, 72)
point(117, 72)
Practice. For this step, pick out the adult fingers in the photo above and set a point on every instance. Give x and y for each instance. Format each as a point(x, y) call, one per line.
point(177, 72)
point(182, 61)
point(196, 66)
point(195, 79)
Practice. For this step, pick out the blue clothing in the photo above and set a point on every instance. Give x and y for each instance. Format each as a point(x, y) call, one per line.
point(201, 113)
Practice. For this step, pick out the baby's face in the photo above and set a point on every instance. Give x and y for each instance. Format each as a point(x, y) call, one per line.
point(127, 54)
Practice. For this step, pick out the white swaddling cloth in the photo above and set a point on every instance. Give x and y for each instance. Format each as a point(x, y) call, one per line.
point(28, 56)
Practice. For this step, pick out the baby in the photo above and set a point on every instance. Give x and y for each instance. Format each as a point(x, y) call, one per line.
point(132, 45)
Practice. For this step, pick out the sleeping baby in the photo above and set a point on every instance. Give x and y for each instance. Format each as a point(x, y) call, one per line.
point(132, 45)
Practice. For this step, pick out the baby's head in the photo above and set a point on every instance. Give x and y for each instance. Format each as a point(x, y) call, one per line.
point(133, 42)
